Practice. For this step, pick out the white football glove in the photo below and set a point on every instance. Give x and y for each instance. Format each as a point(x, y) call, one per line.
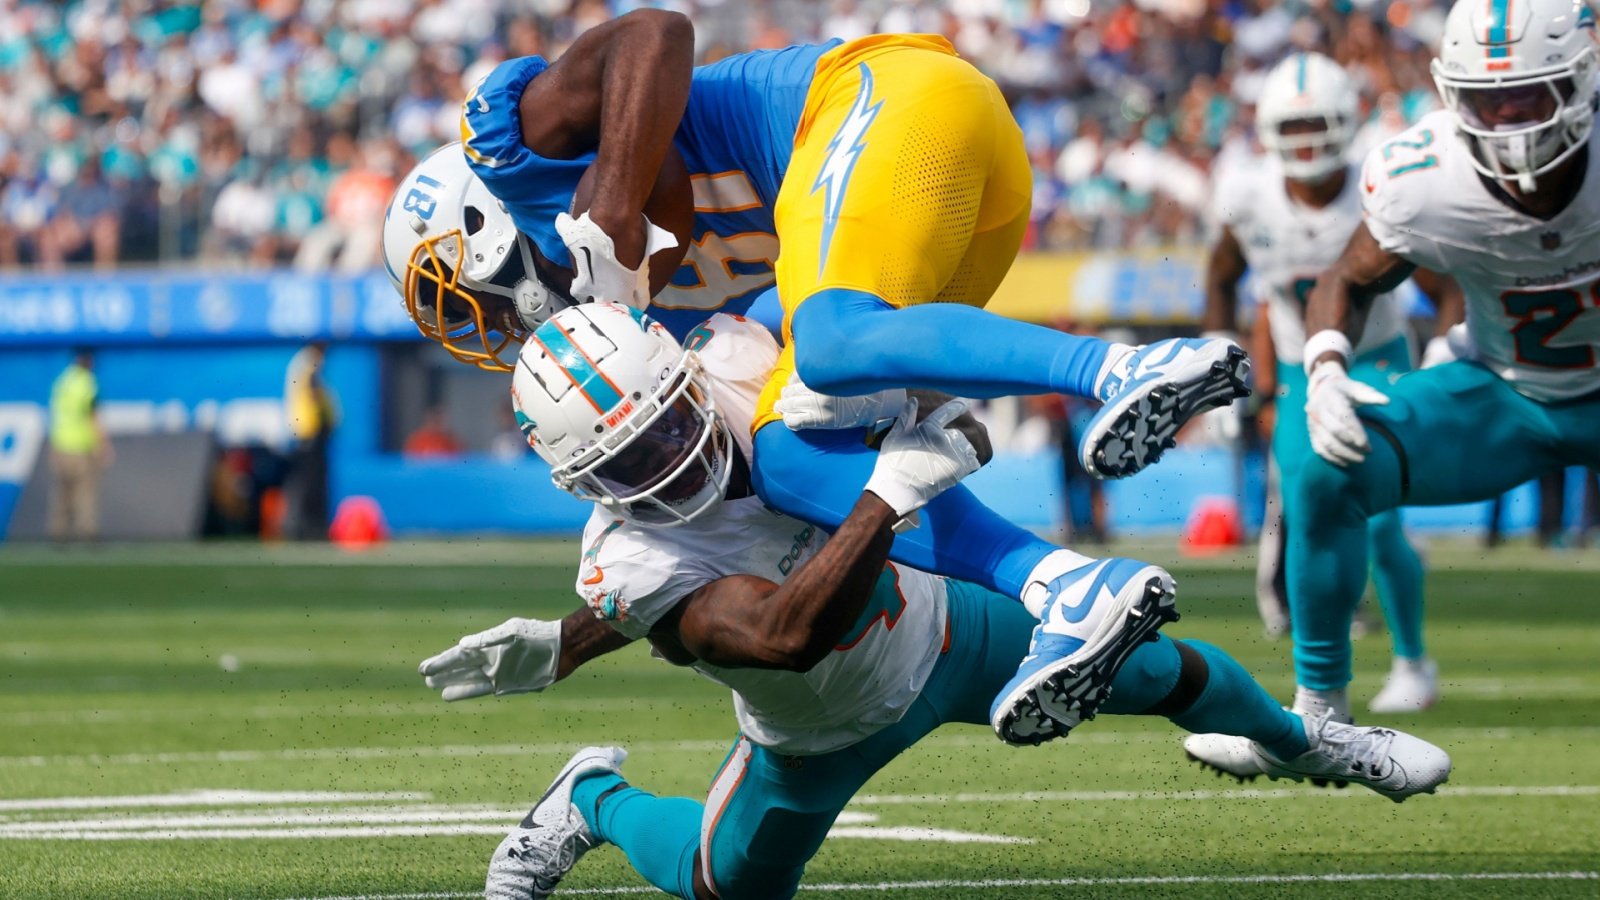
point(514, 657)
point(594, 258)
point(1331, 400)
point(801, 407)
point(918, 462)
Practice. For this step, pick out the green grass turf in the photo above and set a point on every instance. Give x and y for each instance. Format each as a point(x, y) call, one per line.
point(113, 684)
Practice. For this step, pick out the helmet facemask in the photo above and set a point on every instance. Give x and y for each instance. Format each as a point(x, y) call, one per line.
point(476, 321)
point(665, 463)
point(1522, 125)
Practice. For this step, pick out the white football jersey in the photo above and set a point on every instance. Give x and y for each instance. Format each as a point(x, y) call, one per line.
point(1288, 243)
point(1532, 285)
point(631, 576)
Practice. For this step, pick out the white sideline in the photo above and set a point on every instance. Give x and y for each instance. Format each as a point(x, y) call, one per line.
point(989, 884)
point(680, 746)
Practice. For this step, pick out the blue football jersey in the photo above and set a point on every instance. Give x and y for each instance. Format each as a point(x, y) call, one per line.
point(736, 138)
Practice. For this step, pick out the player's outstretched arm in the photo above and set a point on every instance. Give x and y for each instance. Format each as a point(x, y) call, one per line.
point(620, 90)
point(519, 655)
point(752, 622)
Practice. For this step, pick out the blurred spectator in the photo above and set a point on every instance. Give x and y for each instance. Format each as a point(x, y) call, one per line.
point(1125, 104)
point(313, 414)
point(79, 452)
point(433, 439)
point(348, 241)
point(88, 216)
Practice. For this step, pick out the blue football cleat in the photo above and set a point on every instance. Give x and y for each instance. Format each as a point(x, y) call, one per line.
point(1094, 619)
point(1152, 393)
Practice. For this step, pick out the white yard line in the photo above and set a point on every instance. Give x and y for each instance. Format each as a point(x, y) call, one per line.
point(1005, 883)
point(414, 821)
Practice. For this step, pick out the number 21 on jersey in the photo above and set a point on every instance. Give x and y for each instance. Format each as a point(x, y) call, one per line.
point(1402, 156)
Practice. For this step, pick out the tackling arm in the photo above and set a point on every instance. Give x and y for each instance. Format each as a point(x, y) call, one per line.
point(743, 620)
point(749, 621)
point(585, 637)
point(621, 90)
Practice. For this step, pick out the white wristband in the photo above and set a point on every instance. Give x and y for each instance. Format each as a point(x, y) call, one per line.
point(1324, 341)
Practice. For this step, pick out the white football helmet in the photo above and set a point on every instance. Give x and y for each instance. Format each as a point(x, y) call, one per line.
point(1306, 114)
point(466, 273)
point(623, 415)
point(1520, 77)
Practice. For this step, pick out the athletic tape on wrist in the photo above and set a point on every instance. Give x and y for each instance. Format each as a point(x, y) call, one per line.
point(1324, 341)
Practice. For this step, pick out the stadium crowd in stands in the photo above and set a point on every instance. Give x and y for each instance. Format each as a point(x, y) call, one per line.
point(271, 131)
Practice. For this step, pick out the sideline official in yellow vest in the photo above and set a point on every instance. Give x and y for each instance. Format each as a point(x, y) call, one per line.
point(79, 451)
point(312, 413)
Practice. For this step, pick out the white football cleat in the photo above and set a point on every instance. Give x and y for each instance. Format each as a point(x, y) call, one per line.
point(1411, 686)
point(538, 853)
point(1392, 763)
point(1225, 754)
point(1151, 393)
point(1095, 617)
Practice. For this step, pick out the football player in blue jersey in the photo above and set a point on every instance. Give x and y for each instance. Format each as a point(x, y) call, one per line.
point(882, 185)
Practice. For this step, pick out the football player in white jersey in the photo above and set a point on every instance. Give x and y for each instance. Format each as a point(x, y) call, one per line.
point(838, 660)
point(1285, 221)
point(1501, 190)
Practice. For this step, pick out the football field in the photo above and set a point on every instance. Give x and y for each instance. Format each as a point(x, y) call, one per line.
point(242, 721)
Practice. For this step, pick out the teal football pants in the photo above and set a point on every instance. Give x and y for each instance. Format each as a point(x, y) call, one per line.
point(1396, 568)
point(1452, 434)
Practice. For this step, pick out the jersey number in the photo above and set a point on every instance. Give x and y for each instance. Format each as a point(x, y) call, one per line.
point(1423, 141)
point(886, 605)
point(1541, 315)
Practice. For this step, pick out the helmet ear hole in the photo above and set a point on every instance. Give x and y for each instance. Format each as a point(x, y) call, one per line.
point(473, 220)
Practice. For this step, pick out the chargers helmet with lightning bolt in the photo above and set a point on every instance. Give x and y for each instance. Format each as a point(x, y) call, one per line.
point(1307, 115)
point(623, 414)
point(1519, 75)
point(467, 276)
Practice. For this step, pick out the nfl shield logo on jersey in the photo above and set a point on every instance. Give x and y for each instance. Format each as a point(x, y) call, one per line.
point(1550, 240)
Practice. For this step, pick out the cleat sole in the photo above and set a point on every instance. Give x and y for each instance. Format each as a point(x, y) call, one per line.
point(1140, 434)
point(1064, 698)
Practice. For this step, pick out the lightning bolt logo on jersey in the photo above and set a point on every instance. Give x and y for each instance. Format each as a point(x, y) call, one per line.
point(843, 151)
point(736, 138)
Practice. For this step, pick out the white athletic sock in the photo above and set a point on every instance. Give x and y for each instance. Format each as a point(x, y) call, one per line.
point(1058, 563)
point(1116, 364)
point(1309, 702)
